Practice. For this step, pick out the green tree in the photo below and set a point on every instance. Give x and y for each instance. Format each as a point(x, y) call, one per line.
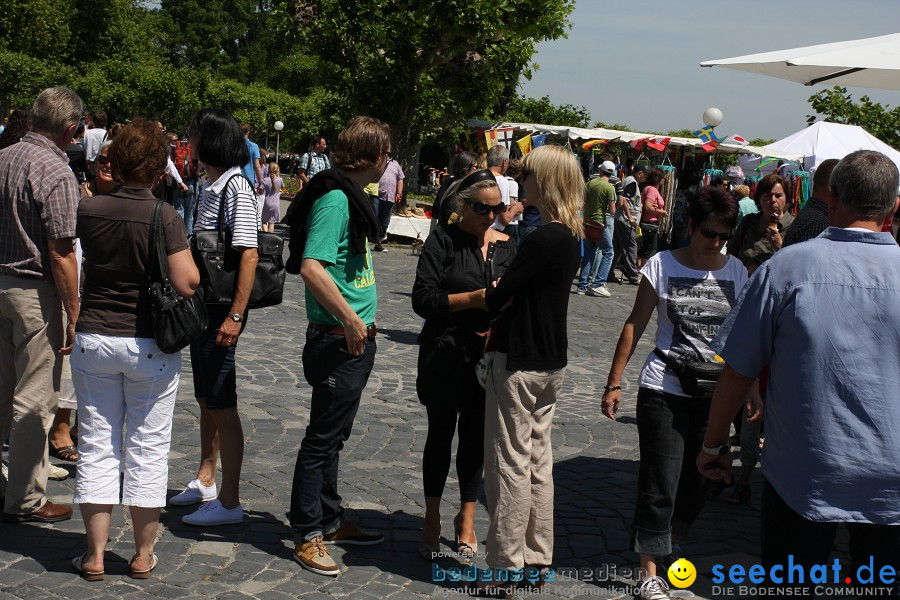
point(38, 28)
point(422, 65)
point(530, 110)
point(837, 105)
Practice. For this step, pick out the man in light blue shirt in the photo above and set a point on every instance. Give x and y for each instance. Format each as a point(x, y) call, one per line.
point(826, 314)
point(252, 170)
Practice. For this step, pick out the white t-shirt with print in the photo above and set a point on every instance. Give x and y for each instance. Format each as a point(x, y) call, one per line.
point(692, 306)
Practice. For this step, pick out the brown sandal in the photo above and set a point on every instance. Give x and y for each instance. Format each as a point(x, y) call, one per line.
point(145, 574)
point(78, 565)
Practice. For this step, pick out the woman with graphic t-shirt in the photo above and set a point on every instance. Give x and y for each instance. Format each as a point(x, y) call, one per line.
point(692, 290)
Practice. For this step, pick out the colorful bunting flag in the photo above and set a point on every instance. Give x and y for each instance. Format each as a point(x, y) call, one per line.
point(504, 135)
point(638, 144)
point(706, 134)
point(735, 140)
point(710, 146)
point(658, 143)
point(538, 140)
point(593, 143)
point(525, 144)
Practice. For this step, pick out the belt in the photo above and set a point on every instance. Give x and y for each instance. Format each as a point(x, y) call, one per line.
point(338, 330)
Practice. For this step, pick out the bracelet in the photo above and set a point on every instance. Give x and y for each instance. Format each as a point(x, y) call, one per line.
point(612, 388)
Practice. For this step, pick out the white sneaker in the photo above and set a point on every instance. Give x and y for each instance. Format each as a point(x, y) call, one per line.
point(194, 493)
point(57, 473)
point(599, 291)
point(213, 513)
point(654, 588)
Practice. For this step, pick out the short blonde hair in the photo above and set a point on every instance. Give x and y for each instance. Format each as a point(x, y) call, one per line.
point(560, 185)
point(741, 191)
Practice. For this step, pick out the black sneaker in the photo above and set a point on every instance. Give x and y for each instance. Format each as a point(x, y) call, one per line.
point(379, 248)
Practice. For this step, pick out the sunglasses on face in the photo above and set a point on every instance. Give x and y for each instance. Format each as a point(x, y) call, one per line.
point(103, 161)
point(480, 208)
point(711, 235)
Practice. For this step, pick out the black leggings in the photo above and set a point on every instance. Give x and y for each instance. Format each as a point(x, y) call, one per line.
point(442, 421)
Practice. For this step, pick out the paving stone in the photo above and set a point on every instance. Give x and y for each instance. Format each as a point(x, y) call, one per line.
point(595, 472)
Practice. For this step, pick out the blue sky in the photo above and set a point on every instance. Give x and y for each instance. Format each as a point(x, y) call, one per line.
point(637, 63)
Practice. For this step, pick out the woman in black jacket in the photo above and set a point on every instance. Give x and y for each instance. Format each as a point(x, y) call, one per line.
point(457, 263)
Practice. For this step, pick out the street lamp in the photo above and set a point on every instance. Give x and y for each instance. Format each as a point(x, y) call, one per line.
point(712, 117)
point(278, 127)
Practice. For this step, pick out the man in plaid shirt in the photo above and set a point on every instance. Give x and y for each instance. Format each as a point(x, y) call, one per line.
point(38, 278)
point(314, 161)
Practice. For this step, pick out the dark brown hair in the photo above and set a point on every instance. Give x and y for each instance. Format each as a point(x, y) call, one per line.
point(768, 183)
point(138, 153)
point(362, 142)
point(713, 203)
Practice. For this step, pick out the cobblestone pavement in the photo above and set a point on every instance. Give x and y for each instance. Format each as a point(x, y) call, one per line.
point(595, 474)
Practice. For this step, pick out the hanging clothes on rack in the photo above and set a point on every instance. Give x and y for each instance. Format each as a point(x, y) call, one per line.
point(668, 188)
point(752, 181)
point(800, 190)
point(709, 174)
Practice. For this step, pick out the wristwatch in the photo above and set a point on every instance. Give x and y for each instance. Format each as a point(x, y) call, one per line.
point(236, 317)
point(717, 450)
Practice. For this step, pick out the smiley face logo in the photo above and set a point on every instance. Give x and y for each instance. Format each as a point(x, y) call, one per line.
point(682, 573)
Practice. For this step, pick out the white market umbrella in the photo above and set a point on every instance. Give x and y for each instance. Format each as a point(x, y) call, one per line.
point(867, 63)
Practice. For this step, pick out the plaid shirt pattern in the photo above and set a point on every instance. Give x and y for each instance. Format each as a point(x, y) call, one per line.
point(38, 202)
point(312, 163)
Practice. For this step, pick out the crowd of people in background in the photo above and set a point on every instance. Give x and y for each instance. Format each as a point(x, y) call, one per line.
point(747, 283)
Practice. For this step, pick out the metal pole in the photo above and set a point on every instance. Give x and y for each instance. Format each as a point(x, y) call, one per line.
point(277, 146)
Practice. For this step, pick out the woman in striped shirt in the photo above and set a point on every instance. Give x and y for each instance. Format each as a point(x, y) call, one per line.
point(216, 140)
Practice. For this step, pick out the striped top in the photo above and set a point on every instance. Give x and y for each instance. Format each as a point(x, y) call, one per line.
point(241, 213)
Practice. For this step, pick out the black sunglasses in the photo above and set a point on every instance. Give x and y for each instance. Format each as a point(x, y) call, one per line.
point(480, 208)
point(711, 235)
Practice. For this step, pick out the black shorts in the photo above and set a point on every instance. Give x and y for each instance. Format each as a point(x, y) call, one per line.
point(213, 366)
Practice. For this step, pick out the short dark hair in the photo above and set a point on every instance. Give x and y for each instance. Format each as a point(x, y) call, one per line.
point(138, 153)
point(362, 142)
point(317, 139)
point(655, 176)
point(713, 203)
point(866, 182)
point(99, 119)
point(464, 161)
point(768, 183)
point(822, 176)
point(246, 129)
point(221, 143)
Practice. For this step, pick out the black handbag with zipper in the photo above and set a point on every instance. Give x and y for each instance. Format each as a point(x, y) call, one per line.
point(177, 320)
point(218, 262)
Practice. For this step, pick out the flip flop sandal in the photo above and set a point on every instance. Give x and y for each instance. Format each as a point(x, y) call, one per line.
point(78, 565)
point(66, 453)
point(145, 574)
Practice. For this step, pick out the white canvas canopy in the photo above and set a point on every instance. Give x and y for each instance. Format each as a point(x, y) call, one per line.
point(870, 63)
point(824, 140)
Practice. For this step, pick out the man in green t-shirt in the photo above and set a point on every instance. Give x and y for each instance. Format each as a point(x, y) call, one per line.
point(599, 207)
point(340, 342)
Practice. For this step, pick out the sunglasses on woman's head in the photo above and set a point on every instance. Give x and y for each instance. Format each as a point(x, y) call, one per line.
point(480, 208)
point(711, 235)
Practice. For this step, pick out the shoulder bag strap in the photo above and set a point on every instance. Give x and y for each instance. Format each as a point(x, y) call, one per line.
point(671, 364)
point(222, 199)
point(158, 263)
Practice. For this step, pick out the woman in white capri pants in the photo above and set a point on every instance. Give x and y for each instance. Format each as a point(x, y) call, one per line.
point(122, 380)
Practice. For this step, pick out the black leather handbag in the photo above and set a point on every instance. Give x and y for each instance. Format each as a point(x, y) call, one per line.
point(698, 378)
point(177, 321)
point(218, 262)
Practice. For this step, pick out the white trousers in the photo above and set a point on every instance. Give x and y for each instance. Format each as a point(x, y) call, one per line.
point(124, 385)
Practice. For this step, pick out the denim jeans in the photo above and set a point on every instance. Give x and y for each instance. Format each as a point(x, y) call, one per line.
point(589, 259)
point(382, 212)
point(188, 202)
point(605, 247)
point(671, 491)
point(337, 378)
